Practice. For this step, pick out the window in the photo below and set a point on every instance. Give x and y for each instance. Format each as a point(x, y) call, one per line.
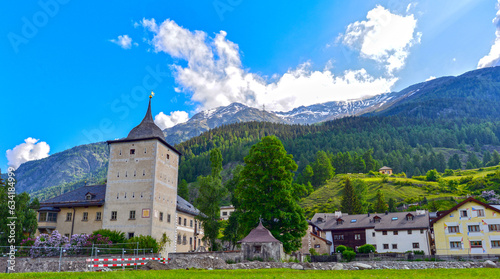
point(453, 229)
point(354, 220)
point(257, 249)
point(384, 232)
point(394, 246)
point(340, 221)
point(199, 242)
point(69, 216)
point(474, 228)
point(409, 217)
point(168, 156)
point(98, 216)
point(184, 240)
point(395, 232)
point(386, 246)
point(373, 234)
point(463, 213)
point(66, 235)
point(190, 241)
point(88, 197)
point(42, 217)
point(357, 236)
point(131, 215)
point(168, 218)
point(180, 221)
point(495, 244)
point(224, 213)
point(130, 235)
point(161, 216)
point(409, 232)
point(85, 216)
point(179, 239)
point(376, 219)
point(494, 228)
point(185, 222)
point(480, 213)
point(52, 217)
point(455, 244)
point(132, 151)
point(114, 214)
point(416, 245)
point(338, 237)
point(476, 244)
point(191, 223)
point(317, 246)
point(394, 218)
point(421, 231)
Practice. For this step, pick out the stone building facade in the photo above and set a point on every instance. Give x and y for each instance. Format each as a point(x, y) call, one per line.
point(140, 197)
point(260, 243)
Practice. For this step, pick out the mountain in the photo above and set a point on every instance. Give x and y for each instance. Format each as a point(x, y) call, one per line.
point(84, 162)
point(474, 94)
point(209, 119)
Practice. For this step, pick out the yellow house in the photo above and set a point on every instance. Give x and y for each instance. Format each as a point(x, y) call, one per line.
point(471, 227)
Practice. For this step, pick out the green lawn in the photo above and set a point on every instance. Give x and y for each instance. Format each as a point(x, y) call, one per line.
point(271, 273)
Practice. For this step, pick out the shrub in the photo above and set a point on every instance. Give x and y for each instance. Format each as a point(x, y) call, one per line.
point(99, 240)
point(432, 175)
point(348, 255)
point(367, 248)
point(48, 245)
point(421, 178)
point(340, 249)
point(449, 172)
point(114, 236)
point(145, 242)
point(313, 252)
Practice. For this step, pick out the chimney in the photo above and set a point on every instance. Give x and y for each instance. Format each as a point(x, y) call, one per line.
point(338, 214)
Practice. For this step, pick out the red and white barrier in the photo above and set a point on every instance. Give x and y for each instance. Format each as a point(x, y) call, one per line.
point(161, 260)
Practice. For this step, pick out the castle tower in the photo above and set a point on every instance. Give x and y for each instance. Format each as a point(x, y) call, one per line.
point(141, 192)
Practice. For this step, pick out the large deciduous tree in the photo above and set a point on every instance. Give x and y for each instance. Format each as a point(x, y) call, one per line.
point(209, 199)
point(266, 191)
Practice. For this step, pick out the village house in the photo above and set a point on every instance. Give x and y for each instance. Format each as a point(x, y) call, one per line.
point(139, 198)
point(225, 211)
point(385, 170)
point(396, 232)
point(470, 227)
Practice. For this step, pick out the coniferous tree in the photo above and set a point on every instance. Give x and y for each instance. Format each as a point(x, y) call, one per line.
point(322, 169)
point(495, 159)
point(486, 158)
point(379, 205)
point(392, 205)
point(441, 162)
point(209, 199)
point(350, 201)
point(454, 162)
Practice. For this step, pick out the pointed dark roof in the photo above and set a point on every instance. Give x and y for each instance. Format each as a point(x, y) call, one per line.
point(259, 234)
point(147, 129)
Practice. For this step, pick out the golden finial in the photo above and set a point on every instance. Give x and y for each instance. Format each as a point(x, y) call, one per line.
point(151, 95)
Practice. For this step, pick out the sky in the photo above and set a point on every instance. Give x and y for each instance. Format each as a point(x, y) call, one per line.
point(77, 72)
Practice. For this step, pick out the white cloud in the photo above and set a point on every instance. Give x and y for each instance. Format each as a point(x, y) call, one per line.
point(214, 75)
point(166, 121)
point(384, 37)
point(124, 41)
point(430, 78)
point(493, 58)
point(27, 151)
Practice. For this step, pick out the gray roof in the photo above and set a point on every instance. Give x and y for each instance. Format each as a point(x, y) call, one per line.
point(320, 219)
point(259, 234)
point(186, 207)
point(77, 197)
point(147, 129)
point(391, 221)
point(385, 168)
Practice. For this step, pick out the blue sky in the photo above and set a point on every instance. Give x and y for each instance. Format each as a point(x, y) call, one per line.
point(76, 72)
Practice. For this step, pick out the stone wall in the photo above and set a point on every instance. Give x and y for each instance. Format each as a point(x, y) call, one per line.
point(234, 256)
point(45, 264)
point(268, 251)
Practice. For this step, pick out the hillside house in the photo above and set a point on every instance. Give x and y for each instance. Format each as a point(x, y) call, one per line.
point(385, 170)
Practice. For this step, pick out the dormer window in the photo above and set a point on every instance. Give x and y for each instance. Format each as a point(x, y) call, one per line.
point(88, 196)
point(409, 217)
point(319, 220)
point(340, 221)
point(376, 219)
point(353, 220)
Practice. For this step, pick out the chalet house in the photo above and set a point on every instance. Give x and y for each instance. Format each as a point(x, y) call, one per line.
point(388, 232)
point(139, 198)
point(470, 227)
point(385, 170)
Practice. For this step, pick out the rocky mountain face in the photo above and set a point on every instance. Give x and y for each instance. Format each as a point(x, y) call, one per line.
point(209, 119)
point(81, 162)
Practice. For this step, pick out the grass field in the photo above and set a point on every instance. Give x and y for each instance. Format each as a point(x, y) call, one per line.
point(270, 273)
